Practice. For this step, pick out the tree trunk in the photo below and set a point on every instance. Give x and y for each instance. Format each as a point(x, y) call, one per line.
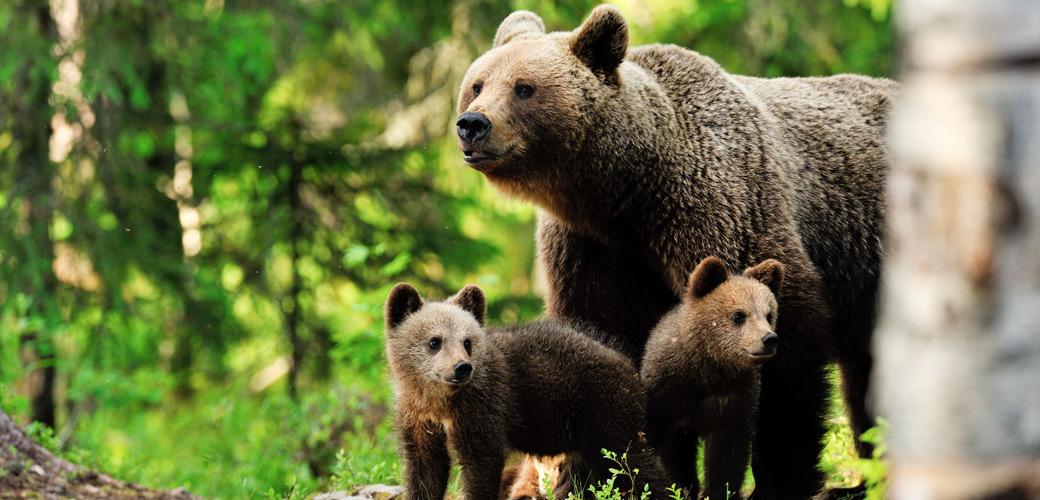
point(27, 470)
point(959, 338)
point(35, 173)
point(292, 317)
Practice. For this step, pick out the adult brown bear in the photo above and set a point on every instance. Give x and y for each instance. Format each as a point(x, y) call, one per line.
point(647, 160)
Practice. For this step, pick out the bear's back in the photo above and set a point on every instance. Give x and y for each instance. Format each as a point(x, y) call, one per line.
point(823, 137)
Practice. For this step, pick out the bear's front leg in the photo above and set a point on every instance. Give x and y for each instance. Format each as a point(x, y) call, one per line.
point(727, 449)
point(482, 455)
point(609, 287)
point(678, 452)
point(666, 431)
point(427, 464)
point(794, 389)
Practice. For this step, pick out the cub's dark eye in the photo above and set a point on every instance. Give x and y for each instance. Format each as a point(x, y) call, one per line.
point(523, 91)
point(434, 343)
point(739, 317)
point(477, 88)
point(468, 345)
point(769, 317)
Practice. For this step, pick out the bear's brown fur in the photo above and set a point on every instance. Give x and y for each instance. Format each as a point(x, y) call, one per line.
point(647, 160)
point(701, 375)
point(533, 477)
point(541, 388)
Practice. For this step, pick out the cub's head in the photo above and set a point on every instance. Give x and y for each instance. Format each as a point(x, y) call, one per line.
point(523, 104)
point(436, 345)
point(734, 315)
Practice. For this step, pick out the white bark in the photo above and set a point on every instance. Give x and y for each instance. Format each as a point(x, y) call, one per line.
point(958, 341)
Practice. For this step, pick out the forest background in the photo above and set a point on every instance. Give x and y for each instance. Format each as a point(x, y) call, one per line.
point(203, 204)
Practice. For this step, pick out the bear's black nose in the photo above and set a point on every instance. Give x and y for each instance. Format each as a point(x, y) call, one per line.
point(770, 341)
point(473, 126)
point(462, 371)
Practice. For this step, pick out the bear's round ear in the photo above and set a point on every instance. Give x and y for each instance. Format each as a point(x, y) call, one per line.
point(602, 40)
point(770, 272)
point(521, 22)
point(471, 299)
point(708, 275)
point(403, 301)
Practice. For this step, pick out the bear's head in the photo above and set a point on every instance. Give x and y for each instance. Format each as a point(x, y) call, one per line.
point(733, 317)
point(524, 106)
point(435, 345)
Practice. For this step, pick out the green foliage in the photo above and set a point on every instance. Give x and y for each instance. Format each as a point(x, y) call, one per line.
point(240, 184)
point(43, 435)
point(620, 473)
point(874, 470)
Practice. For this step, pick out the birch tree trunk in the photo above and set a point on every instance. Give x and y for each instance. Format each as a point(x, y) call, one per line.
point(959, 337)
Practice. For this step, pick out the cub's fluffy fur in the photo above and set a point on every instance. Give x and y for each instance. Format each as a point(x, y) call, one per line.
point(701, 373)
point(542, 389)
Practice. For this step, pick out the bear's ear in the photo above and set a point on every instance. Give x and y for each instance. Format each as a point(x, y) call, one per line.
point(602, 40)
point(708, 275)
point(521, 22)
point(403, 301)
point(471, 299)
point(770, 272)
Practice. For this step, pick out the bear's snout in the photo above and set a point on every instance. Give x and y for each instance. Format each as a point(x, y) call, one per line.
point(463, 371)
point(472, 127)
point(770, 342)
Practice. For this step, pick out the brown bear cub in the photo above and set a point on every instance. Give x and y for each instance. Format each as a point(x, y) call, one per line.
point(701, 373)
point(541, 389)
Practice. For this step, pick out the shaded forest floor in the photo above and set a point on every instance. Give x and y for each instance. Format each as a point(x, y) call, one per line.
point(27, 470)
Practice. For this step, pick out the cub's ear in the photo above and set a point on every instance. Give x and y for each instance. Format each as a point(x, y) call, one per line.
point(770, 272)
point(602, 40)
point(708, 275)
point(403, 301)
point(521, 22)
point(471, 299)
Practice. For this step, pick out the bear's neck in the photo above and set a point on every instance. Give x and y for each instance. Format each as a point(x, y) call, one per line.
point(625, 180)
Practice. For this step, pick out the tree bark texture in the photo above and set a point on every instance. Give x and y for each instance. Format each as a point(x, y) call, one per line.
point(958, 341)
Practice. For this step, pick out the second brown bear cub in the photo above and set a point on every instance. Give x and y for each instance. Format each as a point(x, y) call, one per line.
point(701, 373)
point(542, 389)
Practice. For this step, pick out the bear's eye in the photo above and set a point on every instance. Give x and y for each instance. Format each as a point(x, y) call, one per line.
point(523, 91)
point(476, 88)
point(739, 317)
point(468, 345)
point(434, 343)
point(769, 317)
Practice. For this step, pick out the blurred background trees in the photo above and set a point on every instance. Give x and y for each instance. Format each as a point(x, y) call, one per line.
point(204, 202)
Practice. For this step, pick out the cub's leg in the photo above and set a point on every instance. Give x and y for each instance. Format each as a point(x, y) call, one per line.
point(426, 461)
point(727, 450)
point(482, 458)
point(678, 452)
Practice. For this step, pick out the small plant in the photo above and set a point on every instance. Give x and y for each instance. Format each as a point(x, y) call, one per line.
point(548, 486)
point(675, 493)
point(43, 434)
point(874, 469)
point(621, 473)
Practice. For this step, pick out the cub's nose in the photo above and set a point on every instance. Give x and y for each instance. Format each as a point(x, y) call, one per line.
point(462, 371)
point(770, 341)
point(473, 126)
